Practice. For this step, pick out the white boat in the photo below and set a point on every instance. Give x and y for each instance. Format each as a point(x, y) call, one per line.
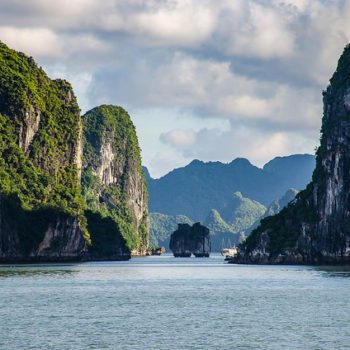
point(229, 252)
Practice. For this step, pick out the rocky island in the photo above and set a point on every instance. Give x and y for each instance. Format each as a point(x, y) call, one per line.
point(188, 240)
point(315, 228)
point(41, 214)
point(113, 182)
point(71, 188)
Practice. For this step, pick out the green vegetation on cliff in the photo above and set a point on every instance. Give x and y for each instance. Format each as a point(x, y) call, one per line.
point(216, 224)
point(116, 121)
point(241, 212)
point(275, 207)
point(162, 226)
point(228, 225)
point(283, 228)
point(113, 182)
point(316, 225)
point(41, 158)
point(222, 234)
point(40, 138)
point(39, 173)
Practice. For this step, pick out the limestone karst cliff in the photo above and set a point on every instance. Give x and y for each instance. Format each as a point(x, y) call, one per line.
point(188, 240)
point(43, 214)
point(113, 182)
point(40, 163)
point(315, 228)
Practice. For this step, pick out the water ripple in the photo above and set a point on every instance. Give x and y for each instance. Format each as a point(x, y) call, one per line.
point(168, 303)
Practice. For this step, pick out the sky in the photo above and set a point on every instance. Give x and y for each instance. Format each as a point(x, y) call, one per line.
point(201, 79)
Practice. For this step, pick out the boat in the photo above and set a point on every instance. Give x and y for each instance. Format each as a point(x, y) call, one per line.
point(229, 252)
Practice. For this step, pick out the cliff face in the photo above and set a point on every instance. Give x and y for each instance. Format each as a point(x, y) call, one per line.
point(113, 181)
point(315, 229)
point(188, 240)
point(40, 163)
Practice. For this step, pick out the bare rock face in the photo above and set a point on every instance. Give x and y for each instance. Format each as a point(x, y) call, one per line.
point(40, 162)
point(64, 230)
point(113, 181)
point(188, 240)
point(62, 240)
point(315, 229)
point(30, 127)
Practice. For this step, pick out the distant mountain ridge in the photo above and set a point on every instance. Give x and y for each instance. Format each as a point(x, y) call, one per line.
point(229, 227)
point(207, 192)
point(197, 188)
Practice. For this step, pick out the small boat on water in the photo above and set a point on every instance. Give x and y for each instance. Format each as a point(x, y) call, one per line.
point(229, 252)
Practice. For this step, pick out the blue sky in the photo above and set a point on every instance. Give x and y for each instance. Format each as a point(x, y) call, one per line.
point(205, 79)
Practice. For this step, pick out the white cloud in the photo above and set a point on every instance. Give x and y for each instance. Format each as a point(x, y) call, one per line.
point(185, 23)
point(82, 43)
point(46, 43)
point(62, 14)
point(179, 138)
point(193, 83)
point(33, 41)
point(244, 105)
point(261, 65)
point(259, 146)
point(256, 31)
point(162, 162)
point(212, 89)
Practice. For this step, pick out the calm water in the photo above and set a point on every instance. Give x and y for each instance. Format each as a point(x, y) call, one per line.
point(168, 303)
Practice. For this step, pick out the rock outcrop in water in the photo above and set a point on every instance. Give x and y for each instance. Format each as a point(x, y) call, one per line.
point(188, 240)
point(315, 229)
point(40, 162)
point(113, 182)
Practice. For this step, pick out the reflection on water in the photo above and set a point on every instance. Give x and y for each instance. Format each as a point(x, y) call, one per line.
point(35, 270)
point(335, 271)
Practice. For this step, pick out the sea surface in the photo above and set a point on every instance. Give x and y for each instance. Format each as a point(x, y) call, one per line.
point(173, 303)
